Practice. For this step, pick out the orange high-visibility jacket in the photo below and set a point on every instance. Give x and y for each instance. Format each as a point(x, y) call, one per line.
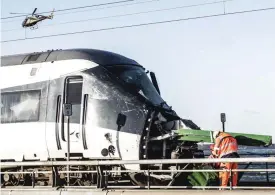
point(225, 144)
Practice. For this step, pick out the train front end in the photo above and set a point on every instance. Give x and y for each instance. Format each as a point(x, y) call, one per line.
point(144, 121)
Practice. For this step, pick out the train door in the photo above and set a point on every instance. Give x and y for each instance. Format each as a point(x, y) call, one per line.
point(73, 96)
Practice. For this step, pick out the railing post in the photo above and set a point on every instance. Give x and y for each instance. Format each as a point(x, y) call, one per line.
point(106, 180)
point(55, 176)
point(52, 179)
point(100, 177)
point(33, 179)
point(148, 179)
point(231, 178)
point(68, 151)
point(267, 173)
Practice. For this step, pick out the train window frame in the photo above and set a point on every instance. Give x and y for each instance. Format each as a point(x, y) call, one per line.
point(75, 79)
point(65, 98)
point(19, 93)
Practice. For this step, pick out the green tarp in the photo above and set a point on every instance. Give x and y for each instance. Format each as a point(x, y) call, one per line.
point(203, 178)
point(197, 178)
point(206, 136)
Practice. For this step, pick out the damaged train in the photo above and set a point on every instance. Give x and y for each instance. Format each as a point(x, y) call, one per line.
point(117, 111)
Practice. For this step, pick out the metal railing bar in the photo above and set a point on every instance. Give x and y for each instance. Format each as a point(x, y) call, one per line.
point(27, 172)
point(140, 187)
point(151, 171)
point(77, 171)
point(81, 187)
point(193, 187)
point(41, 188)
point(196, 170)
point(141, 162)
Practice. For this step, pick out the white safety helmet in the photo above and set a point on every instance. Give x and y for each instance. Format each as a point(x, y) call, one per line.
point(215, 134)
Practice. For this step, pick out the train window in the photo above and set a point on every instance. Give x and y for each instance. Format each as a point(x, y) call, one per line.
point(137, 80)
point(33, 57)
point(74, 95)
point(107, 99)
point(20, 106)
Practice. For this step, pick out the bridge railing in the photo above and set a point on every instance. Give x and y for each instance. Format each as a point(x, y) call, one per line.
point(103, 174)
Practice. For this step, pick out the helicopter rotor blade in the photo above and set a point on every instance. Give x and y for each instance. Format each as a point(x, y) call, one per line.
point(34, 11)
point(18, 13)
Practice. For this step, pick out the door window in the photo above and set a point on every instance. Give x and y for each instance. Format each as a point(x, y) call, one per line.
point(73, 96)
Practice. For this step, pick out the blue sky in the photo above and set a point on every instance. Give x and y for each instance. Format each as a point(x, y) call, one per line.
point(204, 67)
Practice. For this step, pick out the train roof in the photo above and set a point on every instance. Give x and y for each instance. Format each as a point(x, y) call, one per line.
point(104, 58)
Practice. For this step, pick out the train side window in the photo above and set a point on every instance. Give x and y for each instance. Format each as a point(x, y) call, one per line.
point(74, 95)
point(20, 106)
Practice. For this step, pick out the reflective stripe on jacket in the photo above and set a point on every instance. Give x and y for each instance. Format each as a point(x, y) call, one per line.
point(225, 144)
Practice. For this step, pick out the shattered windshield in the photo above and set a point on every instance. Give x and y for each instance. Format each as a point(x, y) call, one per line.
point(138, 81)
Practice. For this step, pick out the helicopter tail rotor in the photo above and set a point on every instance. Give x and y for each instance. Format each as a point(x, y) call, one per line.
point(51, 16)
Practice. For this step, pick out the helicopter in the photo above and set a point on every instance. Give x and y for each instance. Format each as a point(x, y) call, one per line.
point(31, 21)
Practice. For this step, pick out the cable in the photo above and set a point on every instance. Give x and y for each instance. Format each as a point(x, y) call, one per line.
point(68, 9)
point(108, 7)
point(129, 4)
point(130, 14)
point(88, 10)
point(142, 24)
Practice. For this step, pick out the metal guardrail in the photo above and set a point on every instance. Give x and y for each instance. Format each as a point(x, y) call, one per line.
point(105, 173)
point(145, 171)
point(140, 162)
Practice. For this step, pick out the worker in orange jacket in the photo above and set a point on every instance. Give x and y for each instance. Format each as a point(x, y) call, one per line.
point(226, 146)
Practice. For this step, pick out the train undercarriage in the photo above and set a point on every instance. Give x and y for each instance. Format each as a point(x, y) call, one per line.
point(102, 176)
point(97, 176)
point(157, 142)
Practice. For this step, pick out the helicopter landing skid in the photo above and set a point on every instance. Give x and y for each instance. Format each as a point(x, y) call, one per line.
point(34, 27)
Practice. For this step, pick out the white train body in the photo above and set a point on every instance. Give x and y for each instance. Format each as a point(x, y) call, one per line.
point(34, 88)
